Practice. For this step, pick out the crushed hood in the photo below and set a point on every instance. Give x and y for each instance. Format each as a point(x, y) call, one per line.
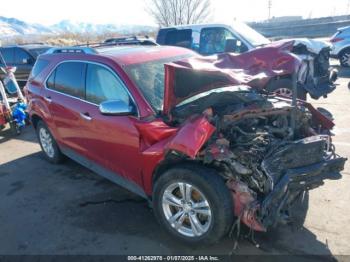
point(189, 77)
point(312, 45)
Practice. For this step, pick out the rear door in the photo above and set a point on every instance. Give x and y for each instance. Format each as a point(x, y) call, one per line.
point(64, 95)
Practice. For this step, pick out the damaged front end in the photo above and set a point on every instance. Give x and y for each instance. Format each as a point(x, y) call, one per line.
point(266, 161)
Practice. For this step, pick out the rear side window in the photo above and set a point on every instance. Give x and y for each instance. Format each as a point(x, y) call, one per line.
point(39, 66)
point(8, 54)
point(182, 38)
point(102, 85)
point(69, 78)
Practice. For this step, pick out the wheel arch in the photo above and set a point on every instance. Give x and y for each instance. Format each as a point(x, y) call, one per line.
point(35, 118)
point(341, 51)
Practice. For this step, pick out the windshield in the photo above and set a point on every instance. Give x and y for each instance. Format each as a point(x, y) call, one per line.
point(252, 36)
point(149, 78)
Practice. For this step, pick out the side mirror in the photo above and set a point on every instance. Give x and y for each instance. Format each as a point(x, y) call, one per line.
point(116, 108)
point(232, 45)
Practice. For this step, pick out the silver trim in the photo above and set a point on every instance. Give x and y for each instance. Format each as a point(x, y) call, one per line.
point(83, 100)
point(186, 209)
point(85, 117)
point(47, 99)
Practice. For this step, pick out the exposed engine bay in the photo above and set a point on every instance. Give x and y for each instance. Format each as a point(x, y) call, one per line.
point(268, 151)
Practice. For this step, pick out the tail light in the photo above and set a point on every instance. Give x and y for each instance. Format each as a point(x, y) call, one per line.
point(336, 39)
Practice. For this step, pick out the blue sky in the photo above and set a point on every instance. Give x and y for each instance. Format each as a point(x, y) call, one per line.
point(133, 11)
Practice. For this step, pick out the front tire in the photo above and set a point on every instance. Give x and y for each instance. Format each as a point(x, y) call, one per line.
point(193, 204)
point(48, 144)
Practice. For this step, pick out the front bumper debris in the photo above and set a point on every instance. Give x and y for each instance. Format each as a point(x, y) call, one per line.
point(321, 86)
point(294, 168)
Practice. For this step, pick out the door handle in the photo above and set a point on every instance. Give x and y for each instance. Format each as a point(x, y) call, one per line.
point(48, 99)
point(86, 116)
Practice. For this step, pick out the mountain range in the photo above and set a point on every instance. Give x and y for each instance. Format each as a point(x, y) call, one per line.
point(14, 27)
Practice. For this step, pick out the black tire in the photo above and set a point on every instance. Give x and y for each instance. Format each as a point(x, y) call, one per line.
point(288, 84)
point(344, 58)
point(15, 129)
point(212, 186)
point(57, 156)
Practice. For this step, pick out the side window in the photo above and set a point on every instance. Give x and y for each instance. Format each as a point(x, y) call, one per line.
point(8, 55)
point(69, 78)
point(182, 38)
point(21, 57)
point(51, 81)
point(213, 40)
point(103, 85)
point(39, 66)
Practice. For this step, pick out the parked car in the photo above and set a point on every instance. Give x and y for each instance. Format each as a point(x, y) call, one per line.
point(314, 73)
point(203, 152)
point(23, 58)
point(341, 46)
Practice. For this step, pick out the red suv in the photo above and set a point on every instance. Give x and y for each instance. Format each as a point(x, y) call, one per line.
point(203, 152)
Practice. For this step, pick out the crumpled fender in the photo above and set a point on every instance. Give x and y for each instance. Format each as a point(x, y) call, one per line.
point(187, 139)
point(245, 205)
point(154, 131)
point(191, 137)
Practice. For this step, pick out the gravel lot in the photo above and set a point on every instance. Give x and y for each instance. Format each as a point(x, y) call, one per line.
point(66, 209)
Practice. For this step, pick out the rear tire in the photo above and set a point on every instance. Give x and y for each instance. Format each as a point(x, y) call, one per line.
point(48, 144)
point(15, 129)
point(207, 188)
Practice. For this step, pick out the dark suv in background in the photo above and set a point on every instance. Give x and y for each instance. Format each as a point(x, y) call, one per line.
point(22, 57)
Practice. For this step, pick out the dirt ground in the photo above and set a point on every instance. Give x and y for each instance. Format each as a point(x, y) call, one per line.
point(66, 209)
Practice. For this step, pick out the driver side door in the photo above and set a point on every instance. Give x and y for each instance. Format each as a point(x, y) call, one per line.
point(111, 141)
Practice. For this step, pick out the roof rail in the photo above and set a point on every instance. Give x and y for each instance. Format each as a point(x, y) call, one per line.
point(71, 50)
point(146, 42)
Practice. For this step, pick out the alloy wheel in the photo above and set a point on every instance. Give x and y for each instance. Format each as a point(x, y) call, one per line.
point(345, 59)
point(46, 142)
point(186, 209)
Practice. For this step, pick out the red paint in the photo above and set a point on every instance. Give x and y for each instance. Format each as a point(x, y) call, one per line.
point(131, 146)
point(244, 205)
point(3, 112)
point(254, 68)
point(190, 138)
point(153, 131)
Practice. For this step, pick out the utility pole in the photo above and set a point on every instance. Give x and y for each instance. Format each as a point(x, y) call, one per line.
point(269, 6)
